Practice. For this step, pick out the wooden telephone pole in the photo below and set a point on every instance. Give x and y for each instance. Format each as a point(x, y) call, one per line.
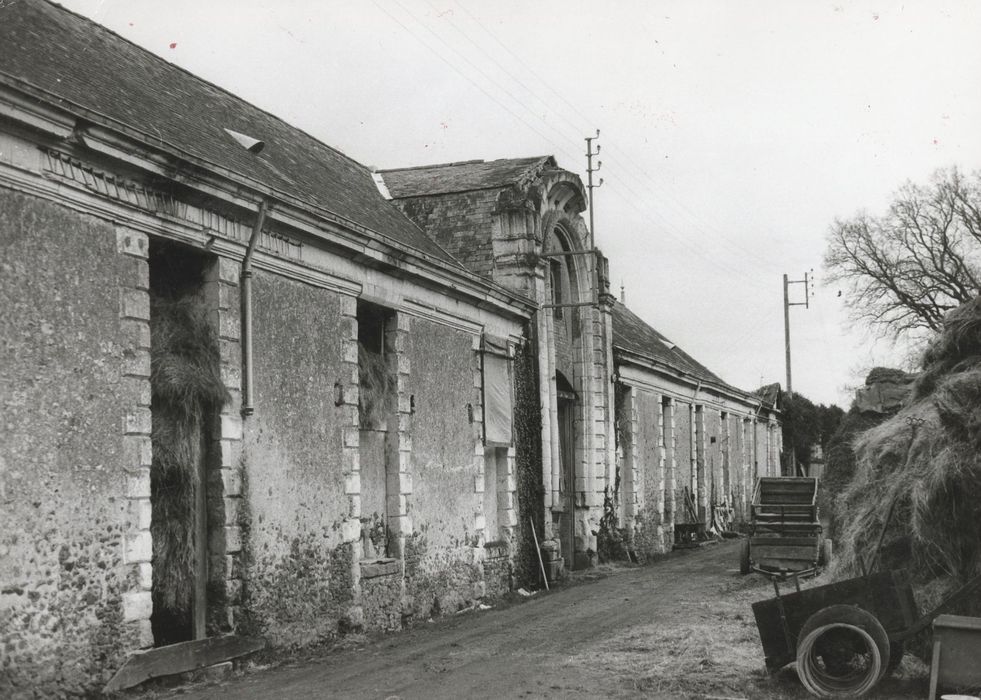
point(786, 315)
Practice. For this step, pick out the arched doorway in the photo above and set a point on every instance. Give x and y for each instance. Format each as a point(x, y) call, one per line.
point(566, 400)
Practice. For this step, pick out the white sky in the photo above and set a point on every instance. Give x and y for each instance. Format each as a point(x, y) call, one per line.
point(733, 132)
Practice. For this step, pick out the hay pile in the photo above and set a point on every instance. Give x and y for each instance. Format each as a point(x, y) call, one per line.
point(883, 394)
point(377, 388)
point(927, 461)
point(187, 392)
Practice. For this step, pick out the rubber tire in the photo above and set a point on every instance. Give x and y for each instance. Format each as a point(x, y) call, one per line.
point(744, 567)
point(827, 552)
point(856, 619)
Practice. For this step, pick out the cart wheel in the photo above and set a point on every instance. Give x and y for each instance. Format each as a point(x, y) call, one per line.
point(842, 651)
point(827, 552)
point(744, 557)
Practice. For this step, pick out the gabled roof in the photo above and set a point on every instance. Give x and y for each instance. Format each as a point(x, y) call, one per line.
point(464, 176)
point(769, 394)
point(633, 334)
point(82, 67)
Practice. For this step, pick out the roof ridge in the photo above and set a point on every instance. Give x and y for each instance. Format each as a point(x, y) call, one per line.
point(199, 79)
point(478, 161)
point(434, 165)
point(678, 352)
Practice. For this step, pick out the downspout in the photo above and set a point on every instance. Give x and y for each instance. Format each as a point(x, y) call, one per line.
point(245, 279)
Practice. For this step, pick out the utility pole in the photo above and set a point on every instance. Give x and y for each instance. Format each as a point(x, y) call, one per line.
point(795, 468)
point(589, 181)
point(786, 315)
point(590, 187)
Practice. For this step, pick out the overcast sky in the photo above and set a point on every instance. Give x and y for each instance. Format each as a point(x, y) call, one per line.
point(733, 133)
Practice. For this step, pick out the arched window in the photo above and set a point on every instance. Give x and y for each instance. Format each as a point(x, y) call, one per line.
point(555, 284)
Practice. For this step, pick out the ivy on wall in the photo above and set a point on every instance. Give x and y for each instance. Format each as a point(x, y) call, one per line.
point(528, 460)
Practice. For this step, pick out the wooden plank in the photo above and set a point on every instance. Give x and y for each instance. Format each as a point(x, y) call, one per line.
point(177, 658)
point(783, 541)
point(805, 553)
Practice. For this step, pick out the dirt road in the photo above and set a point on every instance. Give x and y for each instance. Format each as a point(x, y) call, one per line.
point(681, 628)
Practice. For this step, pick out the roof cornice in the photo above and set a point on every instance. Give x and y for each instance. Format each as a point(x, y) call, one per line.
point(681, 375)
point(61, 120)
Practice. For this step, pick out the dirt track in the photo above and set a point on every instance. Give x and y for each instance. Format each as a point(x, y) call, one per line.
point(681, 628)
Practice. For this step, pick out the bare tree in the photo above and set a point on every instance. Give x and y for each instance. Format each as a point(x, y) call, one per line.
point(904, 270)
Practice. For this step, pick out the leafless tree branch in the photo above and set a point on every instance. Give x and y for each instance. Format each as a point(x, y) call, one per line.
point(904, 270)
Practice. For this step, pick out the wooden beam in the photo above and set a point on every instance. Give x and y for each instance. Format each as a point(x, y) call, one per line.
point(177, 658)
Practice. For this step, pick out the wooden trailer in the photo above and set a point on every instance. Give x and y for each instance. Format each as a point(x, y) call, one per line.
point(785, 534)
point(846, 636)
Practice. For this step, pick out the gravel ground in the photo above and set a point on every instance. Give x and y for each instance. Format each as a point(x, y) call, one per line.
point(679, 628)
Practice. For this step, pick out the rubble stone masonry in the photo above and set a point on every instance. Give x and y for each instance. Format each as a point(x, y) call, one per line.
point(74, 447)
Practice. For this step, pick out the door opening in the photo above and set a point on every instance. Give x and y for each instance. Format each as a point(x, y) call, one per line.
point(186, 395)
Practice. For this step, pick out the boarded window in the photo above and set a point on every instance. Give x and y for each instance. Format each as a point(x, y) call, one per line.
point(497, 391)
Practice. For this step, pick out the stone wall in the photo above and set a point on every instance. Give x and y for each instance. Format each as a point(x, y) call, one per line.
point(74, 448)
point(649, 521)
point(714, 475)
point(443, 552)
point(461, 222)
point(299, 581)
point(683, 454)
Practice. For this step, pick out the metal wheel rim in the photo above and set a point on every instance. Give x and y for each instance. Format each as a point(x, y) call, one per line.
point(826, 685)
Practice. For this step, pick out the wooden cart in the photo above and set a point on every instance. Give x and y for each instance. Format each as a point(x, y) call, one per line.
point(785, 534)
point(845, 636)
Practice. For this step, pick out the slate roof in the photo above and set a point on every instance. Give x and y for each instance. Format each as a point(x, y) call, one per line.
point(464, 176)
point(90, 71)
point(633, 334)
point(769, 394)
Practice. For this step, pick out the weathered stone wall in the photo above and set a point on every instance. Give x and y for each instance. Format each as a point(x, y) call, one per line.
point(440, 553)
point(761, 449)
point(648, 538)
point(299, 582)
point(713, 456)
point(683, 459)
point(460, 222)
point(69, 590)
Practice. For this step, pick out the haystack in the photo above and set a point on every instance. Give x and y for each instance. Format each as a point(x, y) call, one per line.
point(884, 393)
point(186, 392)
point(924, 464)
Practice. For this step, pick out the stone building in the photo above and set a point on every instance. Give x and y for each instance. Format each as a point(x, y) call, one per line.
point(251, 387)
point(632, 426)
point(690, 446)
point(241, 391)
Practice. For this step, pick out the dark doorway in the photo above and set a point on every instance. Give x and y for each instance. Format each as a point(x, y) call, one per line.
point(566, 399)
point(186, 395)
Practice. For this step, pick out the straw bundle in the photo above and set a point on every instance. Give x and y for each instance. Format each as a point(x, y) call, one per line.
point(924, 463)
point(186, 390)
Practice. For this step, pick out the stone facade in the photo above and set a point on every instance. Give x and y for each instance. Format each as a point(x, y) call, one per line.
point(692, 455)
point(630, 426)
point(285, 543)
point(348, 481)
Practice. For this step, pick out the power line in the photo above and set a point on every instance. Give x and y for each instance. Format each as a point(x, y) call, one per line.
point(651, 212)
point(678, 203)
point(466, 77)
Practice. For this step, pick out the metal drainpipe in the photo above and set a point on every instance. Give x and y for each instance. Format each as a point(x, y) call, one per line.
point(245, 279)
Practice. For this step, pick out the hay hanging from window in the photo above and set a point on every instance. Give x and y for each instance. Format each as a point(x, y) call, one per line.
point(186, 392)
point(376, 390)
